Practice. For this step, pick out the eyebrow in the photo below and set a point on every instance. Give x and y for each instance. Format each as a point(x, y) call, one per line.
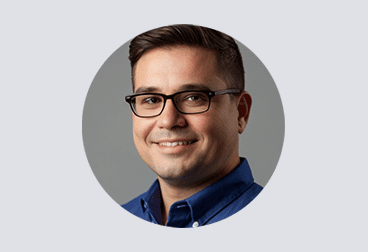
point(184, 87)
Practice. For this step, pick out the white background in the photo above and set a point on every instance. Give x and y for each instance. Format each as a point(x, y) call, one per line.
point(316, 52)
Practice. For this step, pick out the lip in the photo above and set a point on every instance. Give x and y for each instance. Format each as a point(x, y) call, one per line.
point(174, 146)
point(175, 140)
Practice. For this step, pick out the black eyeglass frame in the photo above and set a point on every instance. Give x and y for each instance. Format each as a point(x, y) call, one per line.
point(210, 94)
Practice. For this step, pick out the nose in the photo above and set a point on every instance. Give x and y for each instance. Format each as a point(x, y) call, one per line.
point(171, 117)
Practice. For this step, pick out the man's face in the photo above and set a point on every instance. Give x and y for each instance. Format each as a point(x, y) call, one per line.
point(207, 142)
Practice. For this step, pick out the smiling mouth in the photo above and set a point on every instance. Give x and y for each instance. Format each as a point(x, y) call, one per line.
point(173, 144)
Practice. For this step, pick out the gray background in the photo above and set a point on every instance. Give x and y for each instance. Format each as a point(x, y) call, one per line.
point(107, 127)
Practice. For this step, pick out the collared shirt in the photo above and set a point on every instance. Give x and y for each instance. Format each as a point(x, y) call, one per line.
point(214, 203)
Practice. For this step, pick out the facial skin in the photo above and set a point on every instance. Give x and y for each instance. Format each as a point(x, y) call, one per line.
point(214, 151)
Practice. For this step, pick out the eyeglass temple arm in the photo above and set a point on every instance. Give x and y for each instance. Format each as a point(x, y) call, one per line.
point(227, 91)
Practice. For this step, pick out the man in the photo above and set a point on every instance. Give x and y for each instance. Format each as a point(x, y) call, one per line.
point(189, 107)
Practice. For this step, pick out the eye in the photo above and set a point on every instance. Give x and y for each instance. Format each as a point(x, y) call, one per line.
point(195, 97)
point(151, 100)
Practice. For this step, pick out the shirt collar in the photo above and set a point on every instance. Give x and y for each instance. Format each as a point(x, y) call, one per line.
point(207, 202)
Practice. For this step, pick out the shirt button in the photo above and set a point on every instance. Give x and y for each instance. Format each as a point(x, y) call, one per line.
point(195, 224)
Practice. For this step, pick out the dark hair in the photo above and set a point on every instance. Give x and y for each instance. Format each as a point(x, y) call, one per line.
point(230, 64)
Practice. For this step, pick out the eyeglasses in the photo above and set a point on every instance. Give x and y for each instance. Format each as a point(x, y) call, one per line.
point(186, 102)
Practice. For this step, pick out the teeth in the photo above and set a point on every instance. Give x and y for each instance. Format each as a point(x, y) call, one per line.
point(175, 143)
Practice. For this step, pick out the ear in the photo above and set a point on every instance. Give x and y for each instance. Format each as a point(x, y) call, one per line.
point(244, 105)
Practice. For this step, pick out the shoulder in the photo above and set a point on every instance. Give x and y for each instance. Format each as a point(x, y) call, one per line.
point(246, 197)
point(135, 206)
point(251, 193)
point(237, 204)
point(139, 205)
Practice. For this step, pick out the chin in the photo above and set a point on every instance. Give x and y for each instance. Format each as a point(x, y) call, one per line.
point(174, 172)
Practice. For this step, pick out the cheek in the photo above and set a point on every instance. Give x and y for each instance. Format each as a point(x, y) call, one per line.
point(141, 129)
point(210, 127)
point(219, 128)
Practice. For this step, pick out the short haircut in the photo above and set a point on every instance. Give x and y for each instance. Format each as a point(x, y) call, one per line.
point(229, 60)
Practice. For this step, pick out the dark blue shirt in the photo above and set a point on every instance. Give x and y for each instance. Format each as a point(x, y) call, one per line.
point(214, 203)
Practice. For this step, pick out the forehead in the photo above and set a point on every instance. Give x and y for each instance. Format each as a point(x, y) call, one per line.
point(170, 69)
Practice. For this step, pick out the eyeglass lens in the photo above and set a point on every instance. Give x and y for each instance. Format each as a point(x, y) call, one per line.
point(186, 102)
